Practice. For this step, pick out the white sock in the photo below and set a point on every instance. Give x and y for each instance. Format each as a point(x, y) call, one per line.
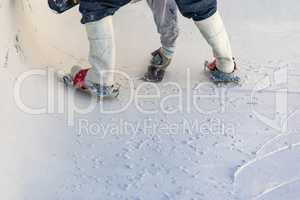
point(213, 30)
point(102, 51)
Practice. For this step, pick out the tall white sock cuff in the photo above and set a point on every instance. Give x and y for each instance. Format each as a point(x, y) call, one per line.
point(102, 50)
point(213, 30)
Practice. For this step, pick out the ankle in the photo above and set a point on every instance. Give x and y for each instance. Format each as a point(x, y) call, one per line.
point(168, 52)
point(227, 66)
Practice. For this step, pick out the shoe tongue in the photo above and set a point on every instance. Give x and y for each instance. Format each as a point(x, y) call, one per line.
point(157, 59)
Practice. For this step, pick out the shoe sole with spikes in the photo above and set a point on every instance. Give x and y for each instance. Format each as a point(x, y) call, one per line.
point(236, 81)
point(68, 82)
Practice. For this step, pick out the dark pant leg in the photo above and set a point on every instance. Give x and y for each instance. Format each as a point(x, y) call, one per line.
point(94, 10)
point(197, 9)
